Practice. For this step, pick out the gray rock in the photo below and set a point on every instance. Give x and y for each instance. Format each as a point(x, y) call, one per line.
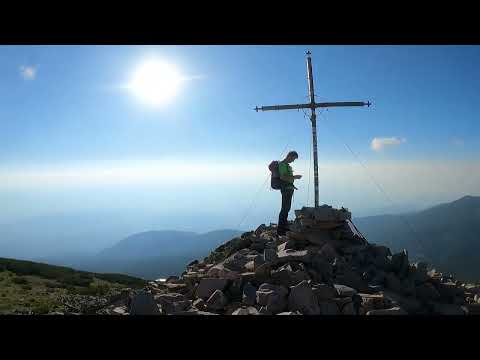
point(270, 255)
point(272, 297)
point(447, 309)
point(262, 273)
point(427, 292)
point(329, 308)
point(287, 277)
point(260, 229)
point(205, 313)
point(293, 255)
point(320, 237)
point(217, 301)
point(380, 250)
point(353, 280)
point(143, 303)
point(392, 311)
point(383, 263)
point(290, 313)
point(375, 288)
point(420, 275)
point(234, 291)
point(399, 263)
point(258, 261)
point(322, 267)
point(247, 277)
point(344, 291)
point(236, 262)
point(393, 283)
point(250, 266)
point(328, 252)
point(264, 311)
point(303, 299)
point(249, 294)
point(171, 303)
point(220, 271)
point(169, 298)
point(409, 304)
point(208, 286)
point(449, 290)
point(348, 309)
point(246, 311)
point(172, 279)
point(200, 304)
point(324, 292)
point(474, 289)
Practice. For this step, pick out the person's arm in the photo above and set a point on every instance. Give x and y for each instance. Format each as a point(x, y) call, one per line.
point(288, 178)
point(283, 176)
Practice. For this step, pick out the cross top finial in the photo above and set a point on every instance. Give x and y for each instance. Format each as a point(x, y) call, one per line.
point(309, 53)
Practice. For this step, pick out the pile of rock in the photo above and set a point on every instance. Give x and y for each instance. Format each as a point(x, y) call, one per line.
point(323, 266)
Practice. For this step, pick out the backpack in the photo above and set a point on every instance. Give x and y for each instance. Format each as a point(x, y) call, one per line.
point(276, 183)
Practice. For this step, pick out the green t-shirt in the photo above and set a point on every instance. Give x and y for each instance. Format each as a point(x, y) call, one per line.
point(286, 169)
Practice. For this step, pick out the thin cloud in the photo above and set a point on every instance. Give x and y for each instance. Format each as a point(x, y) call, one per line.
point(379, 144)
point(28, 72)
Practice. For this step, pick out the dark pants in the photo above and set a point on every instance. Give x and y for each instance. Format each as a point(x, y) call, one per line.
point(287, 195)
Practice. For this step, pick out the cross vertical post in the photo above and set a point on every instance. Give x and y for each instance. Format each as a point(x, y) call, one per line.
point(313, 119)
point(312, 105)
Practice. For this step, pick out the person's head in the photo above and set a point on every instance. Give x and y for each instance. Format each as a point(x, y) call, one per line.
point(291, 156)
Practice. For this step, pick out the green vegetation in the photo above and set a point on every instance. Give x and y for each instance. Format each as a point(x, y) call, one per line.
point(29, 286)
point(65, 275)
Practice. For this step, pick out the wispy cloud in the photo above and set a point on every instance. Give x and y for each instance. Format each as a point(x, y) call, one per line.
point(28, 72)
point(379, 144)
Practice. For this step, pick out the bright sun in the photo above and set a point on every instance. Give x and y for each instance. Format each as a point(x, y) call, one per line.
point(155, 82)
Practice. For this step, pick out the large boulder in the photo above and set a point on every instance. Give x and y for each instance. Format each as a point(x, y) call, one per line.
point(287, 277)
point(329, 308)
point(217, 301)
point(288, 255)
point(344, 291)
point(272, 297)
point(208, 286)
point(324, 292)
point(427, 292)
point(249, 294)
point(303, 299)
point(399, 263)
point(328, 252)
point(410, 304)
point(220, 271)
point(420, 273)
point(353, 280)
point(172, 303)
point(393, 283)
point(323, 267)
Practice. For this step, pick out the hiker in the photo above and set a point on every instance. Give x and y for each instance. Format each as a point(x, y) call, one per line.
point(283, 181)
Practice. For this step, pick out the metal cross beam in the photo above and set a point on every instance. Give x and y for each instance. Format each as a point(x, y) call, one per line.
point(312, 105)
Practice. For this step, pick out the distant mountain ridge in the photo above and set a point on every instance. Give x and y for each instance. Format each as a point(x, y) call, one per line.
point(167, 243)
point(150, 254)
point(447, 234)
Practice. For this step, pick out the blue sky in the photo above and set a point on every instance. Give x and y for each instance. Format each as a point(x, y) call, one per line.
point(73, 138)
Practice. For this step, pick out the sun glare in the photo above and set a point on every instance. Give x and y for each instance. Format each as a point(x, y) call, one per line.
point(155, 82)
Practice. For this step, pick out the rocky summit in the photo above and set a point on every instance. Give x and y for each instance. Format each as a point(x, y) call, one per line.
point(323, 266)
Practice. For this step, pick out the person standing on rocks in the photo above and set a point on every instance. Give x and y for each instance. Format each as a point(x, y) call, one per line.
point(286, 175)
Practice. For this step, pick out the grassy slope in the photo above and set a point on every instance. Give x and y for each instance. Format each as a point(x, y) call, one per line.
point(26, 285)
